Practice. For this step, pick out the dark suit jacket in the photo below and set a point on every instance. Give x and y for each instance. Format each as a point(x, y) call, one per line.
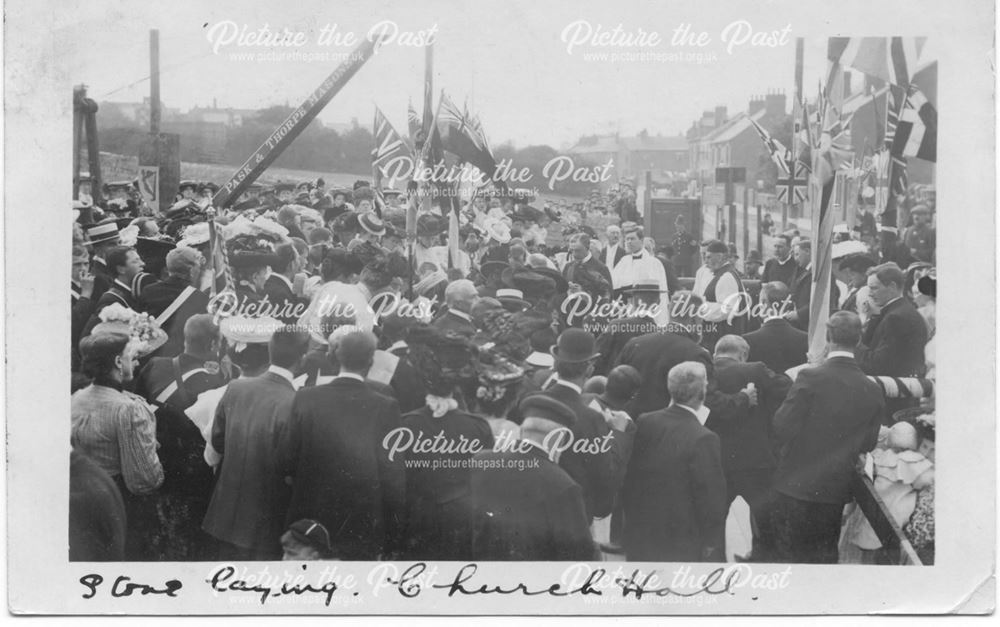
point(283, 300)
point(116, 293)
point(675, 491)
point(831, 415)
point(895, 341)
point(527, 508)
point(408, 386)
point(599, 473)
point(439, 500)
point(160, 295)
point(801, 293)
point(778, 344)
point(342, 475)
point(745, 433)
point(612, 341)
point(654, 355)
point(80, 311)
point(783, 272)
point(250, 498)
point(619, 253)
point(576, 272)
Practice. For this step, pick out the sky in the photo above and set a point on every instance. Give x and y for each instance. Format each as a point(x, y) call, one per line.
point(526, 67)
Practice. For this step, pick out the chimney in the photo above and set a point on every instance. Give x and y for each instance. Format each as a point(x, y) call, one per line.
point(756, 104)
point(215, 103)
point(720, 116)
point(775, 104)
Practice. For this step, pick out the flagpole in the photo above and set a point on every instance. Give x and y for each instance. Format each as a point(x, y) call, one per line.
point(796, 119)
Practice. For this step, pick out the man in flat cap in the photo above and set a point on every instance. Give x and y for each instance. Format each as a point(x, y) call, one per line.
point(526, 507)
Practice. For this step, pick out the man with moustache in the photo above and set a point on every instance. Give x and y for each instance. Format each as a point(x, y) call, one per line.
point(613, 252)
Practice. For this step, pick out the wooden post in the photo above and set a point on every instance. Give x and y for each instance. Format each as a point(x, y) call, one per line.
point(163, 150)
point(283, 136)
point(154, 81)
point(93, 148)
point(77, 139)
point(760, 231)
point(746, 221)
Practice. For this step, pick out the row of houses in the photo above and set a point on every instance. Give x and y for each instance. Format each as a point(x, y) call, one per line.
point(723, 139)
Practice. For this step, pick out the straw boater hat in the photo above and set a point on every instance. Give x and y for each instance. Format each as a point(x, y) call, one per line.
point(512, 299)
point(372, 223)
point(103, 232)
point(241, 331)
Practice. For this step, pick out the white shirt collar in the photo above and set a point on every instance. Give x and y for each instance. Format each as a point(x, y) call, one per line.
point(284, 373)
point(840, 354)
point(891, 302)
point(586, 259)
point(350, 375)
point(576, 388)
point(701, 413)
point(461, 314)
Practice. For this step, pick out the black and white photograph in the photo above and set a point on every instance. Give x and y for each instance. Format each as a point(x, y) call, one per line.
point(538, 308)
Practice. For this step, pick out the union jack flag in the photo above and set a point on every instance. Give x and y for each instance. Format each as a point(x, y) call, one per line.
point(794, 189)
point(388, 143)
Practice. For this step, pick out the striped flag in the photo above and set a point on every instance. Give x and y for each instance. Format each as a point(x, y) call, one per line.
point(388, 143)
point(916, 129)
point(778, 153)
point(891, 59)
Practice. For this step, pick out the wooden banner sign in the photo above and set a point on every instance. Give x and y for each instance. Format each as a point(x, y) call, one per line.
point(286, 133)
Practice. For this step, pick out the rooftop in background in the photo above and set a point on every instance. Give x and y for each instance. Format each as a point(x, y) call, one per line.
point(594, 144)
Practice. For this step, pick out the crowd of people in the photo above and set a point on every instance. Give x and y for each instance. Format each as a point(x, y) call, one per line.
point(292, 377)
